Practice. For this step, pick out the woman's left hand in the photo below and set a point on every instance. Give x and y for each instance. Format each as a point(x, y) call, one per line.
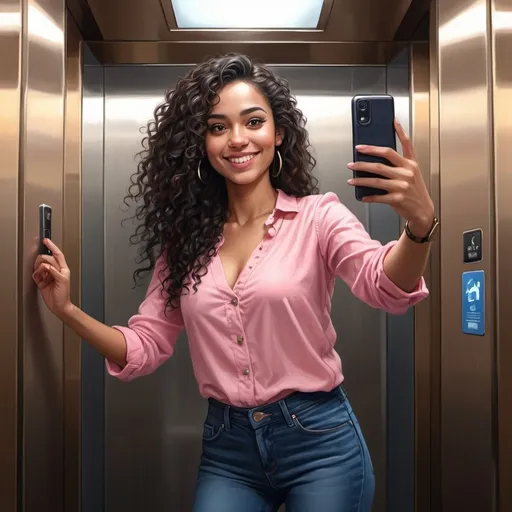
point(407, 192)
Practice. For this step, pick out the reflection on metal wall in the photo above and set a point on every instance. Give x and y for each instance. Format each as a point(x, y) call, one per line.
point(160, 417)
point(502, 92)
point(467, 203)
point(71, 246)
point(10, 90)
point(400, 336)
point(92, 292)
point(41, 182)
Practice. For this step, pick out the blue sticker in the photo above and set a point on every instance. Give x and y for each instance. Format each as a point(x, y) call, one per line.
point(473, 302)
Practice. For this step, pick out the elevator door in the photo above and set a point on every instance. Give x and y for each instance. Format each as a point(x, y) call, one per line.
point(153, 425)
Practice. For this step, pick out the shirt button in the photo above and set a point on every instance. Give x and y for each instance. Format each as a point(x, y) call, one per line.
point(234, 301)
point(240, 340)
point(246, 371)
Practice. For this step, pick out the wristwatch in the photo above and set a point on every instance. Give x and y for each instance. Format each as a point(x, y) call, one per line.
point(429, 235)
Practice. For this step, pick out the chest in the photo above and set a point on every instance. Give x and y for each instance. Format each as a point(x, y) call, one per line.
point(240, 242)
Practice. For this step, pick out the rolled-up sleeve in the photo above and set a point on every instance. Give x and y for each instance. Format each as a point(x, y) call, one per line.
point(151, 334)
point(351, 254)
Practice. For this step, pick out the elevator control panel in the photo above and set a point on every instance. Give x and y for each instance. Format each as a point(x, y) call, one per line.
point(472, 241)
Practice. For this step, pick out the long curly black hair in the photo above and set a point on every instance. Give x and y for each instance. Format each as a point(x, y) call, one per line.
point(182, 217)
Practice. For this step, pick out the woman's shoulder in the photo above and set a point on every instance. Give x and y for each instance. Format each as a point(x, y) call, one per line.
point(311, 204)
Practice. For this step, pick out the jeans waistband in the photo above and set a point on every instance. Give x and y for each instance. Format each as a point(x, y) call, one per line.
point(280, 411)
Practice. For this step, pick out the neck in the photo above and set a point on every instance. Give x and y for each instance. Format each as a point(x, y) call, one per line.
point(247, 202)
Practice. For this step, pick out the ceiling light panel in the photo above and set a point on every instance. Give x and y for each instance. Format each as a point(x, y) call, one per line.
point(247, 14)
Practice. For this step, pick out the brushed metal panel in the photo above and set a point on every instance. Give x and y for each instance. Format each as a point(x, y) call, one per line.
point(435, 272)
point(466, 172)
point(42, 166)
point(420, 128)
point(366, 20)
point(502, 76)
point(290, 53)
point(160, 416)
point(10, 91)
point(92, 290)
point(71, 246)
point(400, 332)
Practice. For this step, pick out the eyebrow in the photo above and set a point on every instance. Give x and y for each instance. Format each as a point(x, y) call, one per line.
point(242, 113)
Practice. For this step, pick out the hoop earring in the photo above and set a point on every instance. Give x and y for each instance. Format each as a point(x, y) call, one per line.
point(199, 173)
point(275, 175)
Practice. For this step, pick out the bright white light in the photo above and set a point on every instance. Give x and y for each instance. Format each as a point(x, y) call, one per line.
point(247, 14)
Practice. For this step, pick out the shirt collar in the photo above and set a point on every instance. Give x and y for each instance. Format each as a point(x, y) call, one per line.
point(285, 204)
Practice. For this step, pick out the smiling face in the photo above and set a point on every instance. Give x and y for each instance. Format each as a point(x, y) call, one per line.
point(242, 135)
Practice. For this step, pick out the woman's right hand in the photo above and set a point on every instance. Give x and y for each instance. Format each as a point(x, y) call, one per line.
point(52, 276)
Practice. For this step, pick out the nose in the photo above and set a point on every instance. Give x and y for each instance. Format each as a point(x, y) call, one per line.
point(238, 138)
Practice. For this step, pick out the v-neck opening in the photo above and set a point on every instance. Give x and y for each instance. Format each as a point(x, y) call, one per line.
point(244, 268)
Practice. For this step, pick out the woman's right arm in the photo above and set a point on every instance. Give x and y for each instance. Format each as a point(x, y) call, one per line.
point(52, 275)
point(131, 351)
point(109, 342)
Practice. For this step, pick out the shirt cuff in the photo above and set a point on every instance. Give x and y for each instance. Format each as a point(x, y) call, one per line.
point(399, 301)
point(134, 356)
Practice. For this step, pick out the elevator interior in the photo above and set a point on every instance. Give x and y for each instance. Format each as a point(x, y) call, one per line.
point(425, 394)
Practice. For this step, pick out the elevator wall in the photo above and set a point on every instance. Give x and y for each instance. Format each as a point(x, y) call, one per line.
point(153, 426)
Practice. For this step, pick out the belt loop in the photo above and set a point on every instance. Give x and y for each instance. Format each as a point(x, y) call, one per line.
point(227, 423)
point(341, 393)
point(286, 413)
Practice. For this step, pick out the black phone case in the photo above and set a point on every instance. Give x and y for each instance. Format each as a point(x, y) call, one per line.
point(45, 227)
point(379, 132)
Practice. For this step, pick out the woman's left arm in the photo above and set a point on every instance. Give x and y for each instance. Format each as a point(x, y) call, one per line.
point(408, 195)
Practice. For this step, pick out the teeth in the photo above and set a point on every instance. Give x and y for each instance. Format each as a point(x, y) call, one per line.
point(241, 160)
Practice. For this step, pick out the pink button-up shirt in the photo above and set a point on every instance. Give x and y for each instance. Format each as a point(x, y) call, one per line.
point(272, 333)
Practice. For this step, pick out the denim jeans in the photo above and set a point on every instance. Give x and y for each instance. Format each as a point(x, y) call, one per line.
point(306, 451)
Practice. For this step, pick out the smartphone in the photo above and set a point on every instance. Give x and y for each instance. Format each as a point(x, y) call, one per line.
point(373, 118)
point(45, 227)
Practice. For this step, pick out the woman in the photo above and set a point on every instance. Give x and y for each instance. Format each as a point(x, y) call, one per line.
point(244, 253)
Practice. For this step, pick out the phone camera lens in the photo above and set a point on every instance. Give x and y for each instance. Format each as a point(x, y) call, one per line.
point(363, 106)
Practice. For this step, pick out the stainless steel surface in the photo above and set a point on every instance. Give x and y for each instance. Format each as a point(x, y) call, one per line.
point(400, 334)
point(71, 245)
point(279, 53)
point(160, 417)
point(41, 182)
point(366, 20)
point(502, 77)
point(466, 166)
point(435, 272)
point(420, 133)
point(92, 277)
point(10, 95)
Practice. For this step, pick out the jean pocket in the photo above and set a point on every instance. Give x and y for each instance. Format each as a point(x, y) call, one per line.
point(211, 432)
point(323, 418)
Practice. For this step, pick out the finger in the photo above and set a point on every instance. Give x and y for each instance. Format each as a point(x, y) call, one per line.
point(57, 253)
point(383, 152)
point(51, 270)
point(43, 258)
point(380, 183)
point(392, 199)
point(381, 169)
point(407, 147)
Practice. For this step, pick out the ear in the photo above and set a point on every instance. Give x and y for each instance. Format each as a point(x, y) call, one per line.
point(279, 136)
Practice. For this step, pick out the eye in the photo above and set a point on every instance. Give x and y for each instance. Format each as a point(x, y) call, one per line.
point(255, 122)
point(216, 128)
